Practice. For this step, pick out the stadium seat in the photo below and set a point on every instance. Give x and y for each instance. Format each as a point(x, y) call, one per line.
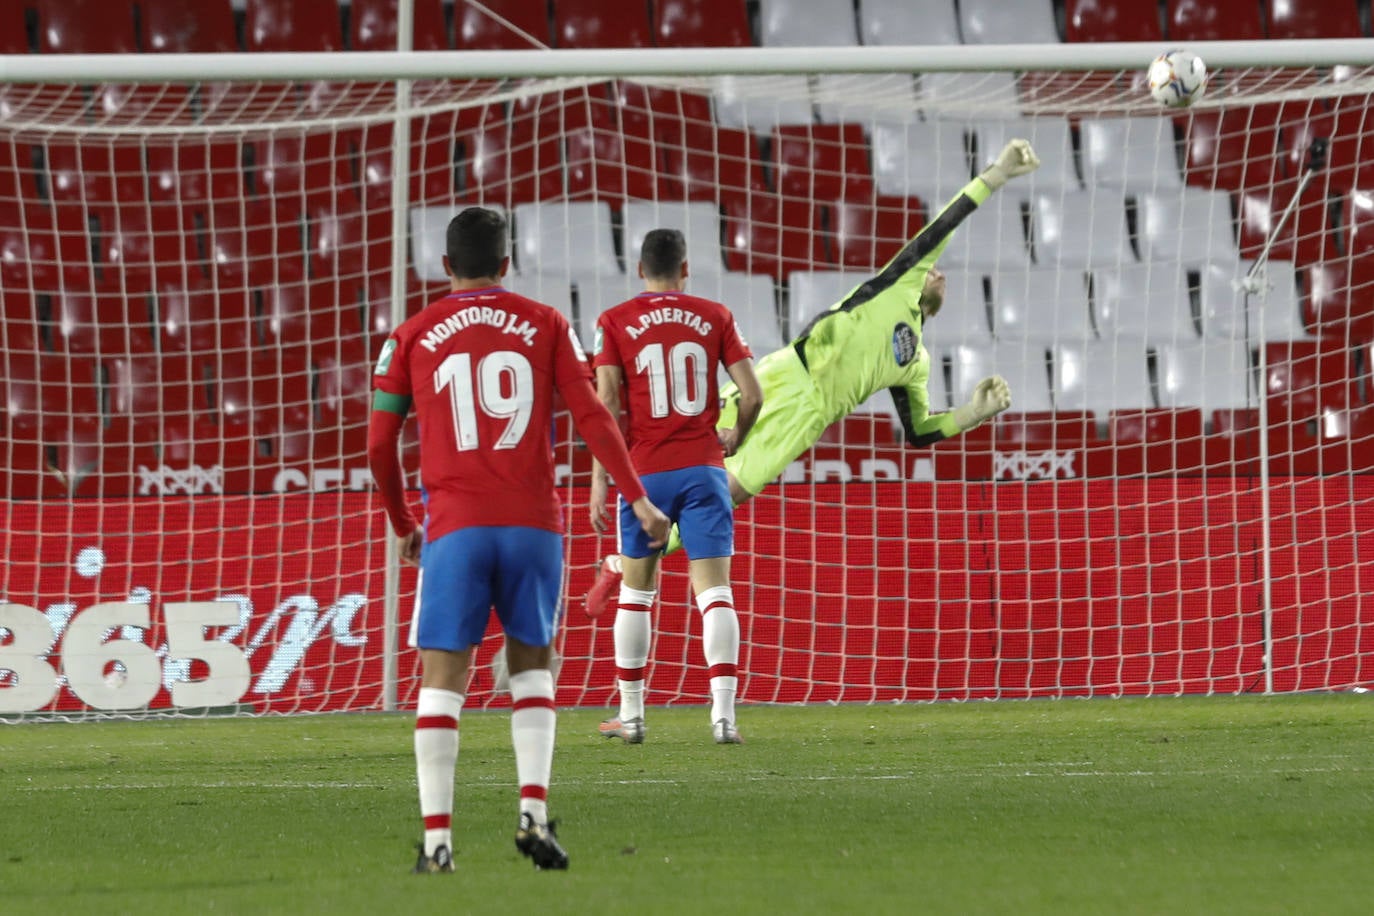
point(750, 298)
point(86, 27)
point(715, 164)
point(810, 292)
point(963, 320)
point(298, 171)
point(699, 222)
point(343, 384)
point(1043, 305)
point(1111, 20)
point(100, 325)
point(759, 104)
point(347, 245)
point(953, 94)
point(191, 319)
point(28, 249)
point(373, 25)
point(773, 235)
point(1190, 226)
point(608, 159)
point(252, 245)
point(842, 98)
point(195, 171)
point(1148, 301)
point(807, 23)
point(565, 235)
point(1214, 20)
point(14, 37)
point(20, 329)
point(701, 24)
point(597, 24)
point(1132, 153)
point(580, 294)
point(1274, 314)
point(1156, 441)
point(292, 25)
point(1080, 229)
point(994, 22)
point(822, 162)
point(48, 392)
point(140, 246)
point(926, 159)
point(529, 151)
point(1044, 429)
point(1024, 366)
point(1339, 300)
point(1102, 376)
point(1211, 375)
point(1304, 377)
point(993, 236)
point(1230, 149)
point(442, 147)
point(428, 239)
point(1305, 237)
point(177, 27)
point(1313, 19)
point(908, 22)
point(93, 172)
point(147, 391)
point(501, 25)
point(1051, 139)
point(866, 234)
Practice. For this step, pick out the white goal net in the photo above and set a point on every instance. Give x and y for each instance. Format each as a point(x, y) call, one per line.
point(197, 276)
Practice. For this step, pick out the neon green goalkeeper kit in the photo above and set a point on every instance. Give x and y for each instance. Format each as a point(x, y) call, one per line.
point(868, 341)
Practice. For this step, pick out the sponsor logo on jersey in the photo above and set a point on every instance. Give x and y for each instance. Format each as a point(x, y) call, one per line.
point(384, 361)
point(903, 344)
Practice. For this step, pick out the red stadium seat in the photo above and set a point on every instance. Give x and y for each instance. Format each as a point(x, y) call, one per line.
point(344, 380)
point(601, 24)
point(1306, 237)
point(299, 171)
point(495, 25)
point(147, 392)
point(190, 319)
point(866, 234)
point(1111, 20)
point(195, 171)
point(822, 162)
point(86, 27)
point(374, 26)
point(20, 330)
point(18, 174)
point(255, 245)
point(264, 391)
point(720, 164)
point(771, 235)
point(1305, 377)
point(1044, 429)
point(1156, 440)
point(701, 24)
point(14, 36)
point(610, 159)
point(1339, 300)
point(435, 143)
point(107, 325)
point(1313, 19)
point(177, 27)
point(1357, 212)
point(48, 392)
point(293, 25)
point(94, 172)
point(1232, 148)
point(28, 248)
point(143, 245)
point(1214, 20)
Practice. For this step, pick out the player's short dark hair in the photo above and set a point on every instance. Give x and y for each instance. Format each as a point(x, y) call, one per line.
point(476, 243)
point(663, 253)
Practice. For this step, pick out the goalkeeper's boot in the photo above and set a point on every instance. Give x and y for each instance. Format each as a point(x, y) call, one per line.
point(726, 733)
point(631, 730)
point(539, 843)
point(439, 863)
point(606, 588)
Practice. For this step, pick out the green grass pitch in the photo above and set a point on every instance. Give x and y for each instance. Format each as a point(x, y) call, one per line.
point(1215, 805)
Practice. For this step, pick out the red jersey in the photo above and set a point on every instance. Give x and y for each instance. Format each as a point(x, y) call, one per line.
point(480, 368)
point(668, 345)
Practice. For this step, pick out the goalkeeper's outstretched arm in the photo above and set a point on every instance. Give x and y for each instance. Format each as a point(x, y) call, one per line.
point(990, 397)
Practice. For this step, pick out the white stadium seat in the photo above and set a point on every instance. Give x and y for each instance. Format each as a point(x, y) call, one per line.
point(581, 295)
point(750, 298)
point(429, 238)
point(997, 22)
point(1022, 365)
point(928, 159)
point(565, 235)
point(1080, 229)
point(1052, 141)
point(1102, 376)
point(1044, 305)
point(1211, 375)
point(807, 23)
point(964, 317)
point(1132, 153)
point(863, 97)
point(1274, 313)
point(810, 292)
point(908, 22)
point(699, 222)
point(1190, 226)
point(1149, 301)
point(992, 236)
point(760, 103)
point(963, 94)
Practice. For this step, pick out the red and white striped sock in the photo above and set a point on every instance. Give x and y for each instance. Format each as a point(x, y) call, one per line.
point(720, 640)
point(632, 636)
point(436, 755)
point(532, 726)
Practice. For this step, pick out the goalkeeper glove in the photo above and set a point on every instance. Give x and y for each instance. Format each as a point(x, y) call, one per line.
point(1016, 158)
point(990, 397)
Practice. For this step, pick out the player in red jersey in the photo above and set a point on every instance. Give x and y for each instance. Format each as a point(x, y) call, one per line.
point(480, 367)
point(664, 347)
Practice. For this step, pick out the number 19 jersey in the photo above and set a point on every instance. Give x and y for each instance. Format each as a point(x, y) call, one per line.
point(668, 345)
point(480, 368)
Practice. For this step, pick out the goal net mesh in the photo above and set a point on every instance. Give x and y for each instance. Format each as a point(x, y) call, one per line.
point(197, 278)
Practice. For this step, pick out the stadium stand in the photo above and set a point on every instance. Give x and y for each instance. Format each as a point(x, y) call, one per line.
point(373, 26)
point(594, 24)
point(1111, 20)
point(994, 22)
point(176, 27)
point(1311, 19)
point(908, 22)
point(807, 23)
point(1214, 20)
point(701, 24)
point(86, 27)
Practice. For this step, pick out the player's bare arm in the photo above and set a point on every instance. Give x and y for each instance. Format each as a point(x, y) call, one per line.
point(750, 403)
point(608, 382)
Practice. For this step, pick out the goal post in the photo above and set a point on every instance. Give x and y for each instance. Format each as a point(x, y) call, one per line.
point(200, 257)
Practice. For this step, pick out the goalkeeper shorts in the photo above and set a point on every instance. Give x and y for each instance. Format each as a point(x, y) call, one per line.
point(790, 423)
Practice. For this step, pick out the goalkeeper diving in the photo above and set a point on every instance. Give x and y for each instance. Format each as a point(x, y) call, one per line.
point(868, 341)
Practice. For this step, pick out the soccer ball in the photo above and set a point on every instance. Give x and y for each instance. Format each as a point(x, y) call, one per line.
point(1177, 78)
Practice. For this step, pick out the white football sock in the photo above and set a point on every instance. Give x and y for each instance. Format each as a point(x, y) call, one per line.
point(436, 755)
point(532, 726)
point(632, 636)
point(720, 642)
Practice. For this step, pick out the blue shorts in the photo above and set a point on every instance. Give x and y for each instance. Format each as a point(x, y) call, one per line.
point(697, 499)
point(466, 573)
